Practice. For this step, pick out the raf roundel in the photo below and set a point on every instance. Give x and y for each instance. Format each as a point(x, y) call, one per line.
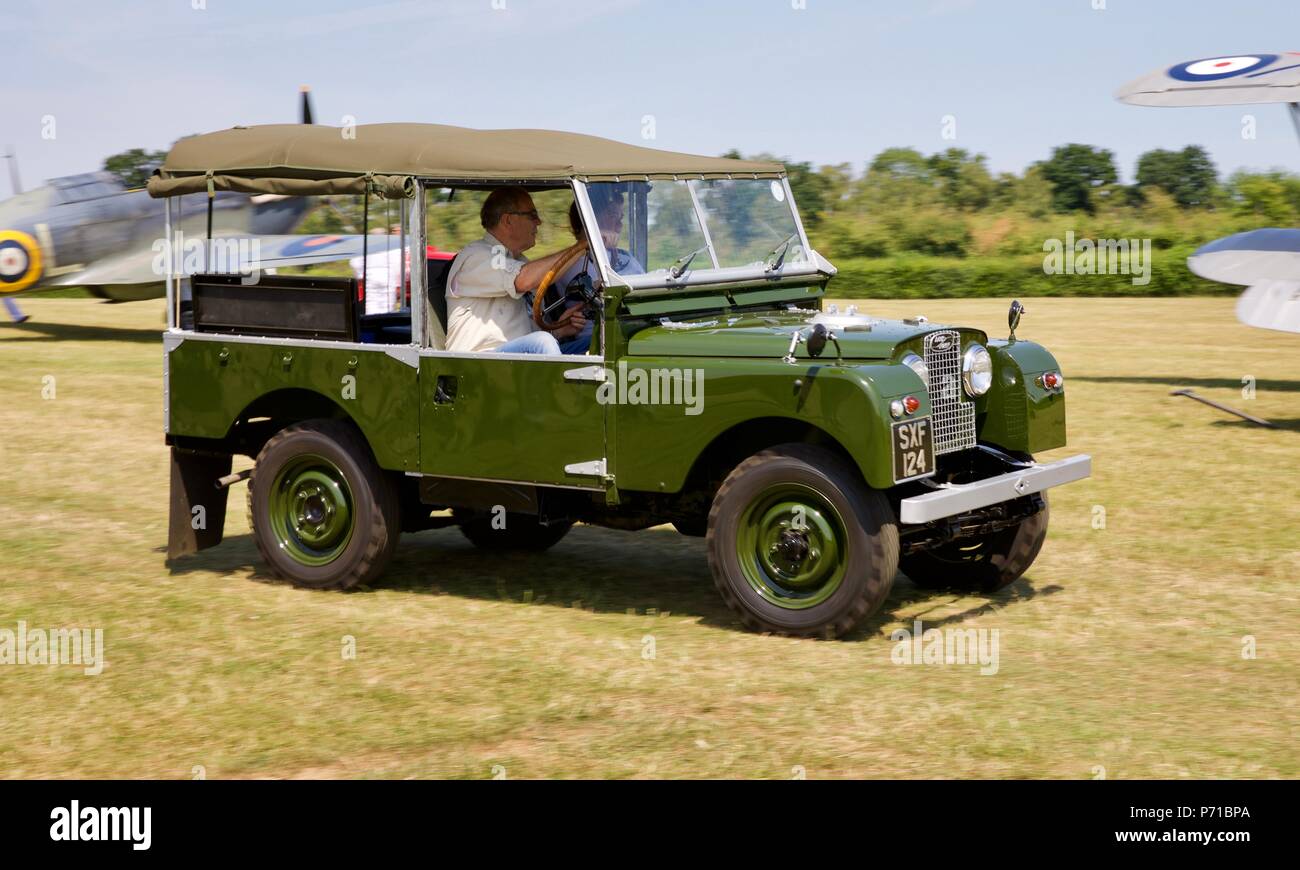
point(20, 261)
point(1216, 68)
point(310, 245)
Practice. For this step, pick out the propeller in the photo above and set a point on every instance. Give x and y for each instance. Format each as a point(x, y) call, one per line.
point(13, 171)
point(304, 113)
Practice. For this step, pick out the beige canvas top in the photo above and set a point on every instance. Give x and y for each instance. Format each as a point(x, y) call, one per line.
point(309, 159)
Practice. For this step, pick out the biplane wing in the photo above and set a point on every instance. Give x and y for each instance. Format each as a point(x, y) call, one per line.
point(1268, 77)
point(1267, 262)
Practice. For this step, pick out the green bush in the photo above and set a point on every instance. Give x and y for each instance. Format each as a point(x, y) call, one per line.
point(906, 277)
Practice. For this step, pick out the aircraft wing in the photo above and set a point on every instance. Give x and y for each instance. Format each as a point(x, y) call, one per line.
point(144, 266)
point(1268, 263)
point(1220, 81)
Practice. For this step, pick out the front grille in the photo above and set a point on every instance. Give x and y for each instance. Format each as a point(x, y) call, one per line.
point(953, 415)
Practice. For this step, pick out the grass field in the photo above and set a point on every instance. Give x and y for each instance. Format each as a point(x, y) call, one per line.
point(612, 656)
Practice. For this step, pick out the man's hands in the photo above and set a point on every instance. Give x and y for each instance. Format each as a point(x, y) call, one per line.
point(534, 270)
point(571, 323)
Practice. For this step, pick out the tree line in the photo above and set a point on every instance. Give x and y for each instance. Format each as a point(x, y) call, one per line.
point(947, 204)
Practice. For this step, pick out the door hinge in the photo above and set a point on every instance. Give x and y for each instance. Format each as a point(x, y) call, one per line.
point(594, 468)
point(588, 374)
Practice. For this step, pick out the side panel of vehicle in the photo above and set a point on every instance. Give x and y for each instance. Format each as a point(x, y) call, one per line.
point(659, 441)
point(375, 390)
point(505, 418)
point(1017, 413)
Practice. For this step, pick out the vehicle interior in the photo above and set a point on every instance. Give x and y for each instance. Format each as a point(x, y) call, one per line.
point(327, 301)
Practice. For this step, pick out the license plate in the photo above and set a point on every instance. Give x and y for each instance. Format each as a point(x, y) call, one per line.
point(913, 449)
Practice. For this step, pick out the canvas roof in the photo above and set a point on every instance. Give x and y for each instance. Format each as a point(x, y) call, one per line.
point(310, 159)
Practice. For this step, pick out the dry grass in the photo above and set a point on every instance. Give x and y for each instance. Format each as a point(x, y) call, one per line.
point(1121, 648)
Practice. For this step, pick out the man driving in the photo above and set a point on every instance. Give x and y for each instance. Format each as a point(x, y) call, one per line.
point(607, 203)
point(488, 277)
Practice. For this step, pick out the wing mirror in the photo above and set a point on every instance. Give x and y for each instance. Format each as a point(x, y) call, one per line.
point(1013, 317)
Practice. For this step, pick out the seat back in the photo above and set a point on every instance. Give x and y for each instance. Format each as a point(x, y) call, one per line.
point(436, 322)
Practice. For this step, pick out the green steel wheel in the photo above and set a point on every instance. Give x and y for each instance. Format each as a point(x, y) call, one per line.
point(792, 545)
point(798, 543)
point(311, 510)
point(323, 513)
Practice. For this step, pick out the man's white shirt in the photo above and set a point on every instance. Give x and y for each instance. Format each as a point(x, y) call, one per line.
point(484, 310)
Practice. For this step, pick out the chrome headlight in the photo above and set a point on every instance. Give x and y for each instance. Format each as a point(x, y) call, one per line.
point(916, 364)
point(977, 370)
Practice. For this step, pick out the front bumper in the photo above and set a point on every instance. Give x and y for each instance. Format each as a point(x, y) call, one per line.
point(951, 499)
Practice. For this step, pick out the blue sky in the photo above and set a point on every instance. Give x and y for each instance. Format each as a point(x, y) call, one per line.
point(835, 81)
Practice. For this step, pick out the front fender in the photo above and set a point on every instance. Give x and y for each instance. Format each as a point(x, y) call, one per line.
point(1017, 414)
point(657, 444)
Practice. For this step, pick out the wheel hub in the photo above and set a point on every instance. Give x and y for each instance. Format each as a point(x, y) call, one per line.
point(311, 510)
point(792, 546)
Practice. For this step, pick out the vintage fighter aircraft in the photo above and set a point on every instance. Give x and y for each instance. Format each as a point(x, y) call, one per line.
point(90, 231)
point(1265, 261)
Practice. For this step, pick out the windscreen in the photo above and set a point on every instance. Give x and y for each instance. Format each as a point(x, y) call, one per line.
point(695, 224)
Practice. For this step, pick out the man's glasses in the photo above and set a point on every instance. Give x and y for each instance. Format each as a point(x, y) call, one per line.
point(531, 213)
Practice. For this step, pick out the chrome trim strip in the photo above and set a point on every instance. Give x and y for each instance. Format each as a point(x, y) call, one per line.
point(406, 353)
point(953, 499)
point(403, 353)
point(569, 358)
point(502, 480)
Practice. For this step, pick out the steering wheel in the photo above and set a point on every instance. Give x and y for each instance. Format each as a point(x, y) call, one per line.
point(541, 311)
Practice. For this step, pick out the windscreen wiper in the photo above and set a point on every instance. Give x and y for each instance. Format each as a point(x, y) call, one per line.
point(682, 262)
point(779, 252)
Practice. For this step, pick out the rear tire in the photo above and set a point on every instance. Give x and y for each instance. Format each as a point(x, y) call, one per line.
point(798, 543)
point(323, 513)
point(984, 564)
point(520, 532)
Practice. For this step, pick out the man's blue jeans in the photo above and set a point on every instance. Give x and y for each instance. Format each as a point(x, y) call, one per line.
point(533, 342)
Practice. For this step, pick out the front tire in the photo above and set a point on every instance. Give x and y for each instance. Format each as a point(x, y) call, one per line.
point(798, 543)
point(323, 514)
point(983, 564)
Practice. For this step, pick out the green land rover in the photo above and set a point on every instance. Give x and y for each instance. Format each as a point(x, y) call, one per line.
point(817, 451)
